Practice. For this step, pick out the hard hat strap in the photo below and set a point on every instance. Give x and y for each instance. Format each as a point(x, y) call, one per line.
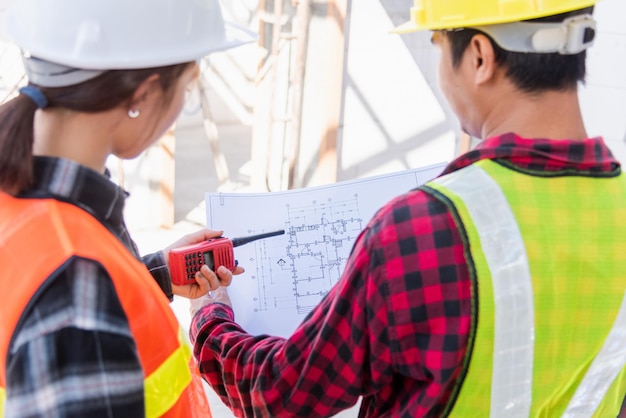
point(571, 36)
point(47, 74)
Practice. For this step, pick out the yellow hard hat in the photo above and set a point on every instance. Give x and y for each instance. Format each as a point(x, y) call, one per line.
point(451, 14)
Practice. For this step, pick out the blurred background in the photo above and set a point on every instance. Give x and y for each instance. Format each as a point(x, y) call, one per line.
point(326, 94)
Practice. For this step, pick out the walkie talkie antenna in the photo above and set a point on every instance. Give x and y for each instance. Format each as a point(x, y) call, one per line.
point(244, 240)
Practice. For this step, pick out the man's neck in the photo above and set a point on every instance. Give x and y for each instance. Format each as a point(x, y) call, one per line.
point(550, 115)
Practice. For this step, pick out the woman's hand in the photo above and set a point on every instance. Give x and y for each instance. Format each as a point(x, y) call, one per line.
point(193, 238)
point(206, 279)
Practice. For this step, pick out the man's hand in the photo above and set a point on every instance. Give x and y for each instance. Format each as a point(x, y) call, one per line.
point(206, 281)
point(219, 295)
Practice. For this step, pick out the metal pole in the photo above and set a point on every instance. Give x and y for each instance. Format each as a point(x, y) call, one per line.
point(303, 16)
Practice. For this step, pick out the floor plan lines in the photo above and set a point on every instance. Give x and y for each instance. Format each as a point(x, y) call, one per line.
point(319, 237)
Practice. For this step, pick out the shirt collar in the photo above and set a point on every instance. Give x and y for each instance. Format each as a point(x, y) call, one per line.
point(69, 181)
point(546, 155)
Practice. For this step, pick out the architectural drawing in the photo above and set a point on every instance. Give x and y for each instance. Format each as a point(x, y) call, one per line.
point(288, 275)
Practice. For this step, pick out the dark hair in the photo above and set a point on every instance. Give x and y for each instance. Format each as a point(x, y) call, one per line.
point(530, 72)
point(105, 92)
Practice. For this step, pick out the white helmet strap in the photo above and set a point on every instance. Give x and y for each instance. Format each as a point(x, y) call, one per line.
point(571, 36)
point(48, 74)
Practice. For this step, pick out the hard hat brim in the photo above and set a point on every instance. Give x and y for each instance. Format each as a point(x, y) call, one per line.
point(406, 27)
point(238, 35)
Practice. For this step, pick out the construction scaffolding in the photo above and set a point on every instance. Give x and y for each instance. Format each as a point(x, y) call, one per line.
point(285, 30)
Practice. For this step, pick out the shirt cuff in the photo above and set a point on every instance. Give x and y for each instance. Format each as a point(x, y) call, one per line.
point(158, 269)
point(206, 314)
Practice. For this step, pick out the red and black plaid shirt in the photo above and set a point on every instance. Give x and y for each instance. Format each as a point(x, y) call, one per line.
point(394, 330)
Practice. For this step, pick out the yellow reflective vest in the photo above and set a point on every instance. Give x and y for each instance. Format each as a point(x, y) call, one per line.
point(36, 237)
point(548, 260)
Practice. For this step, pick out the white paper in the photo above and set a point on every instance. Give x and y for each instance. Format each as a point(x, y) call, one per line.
point(288, 275)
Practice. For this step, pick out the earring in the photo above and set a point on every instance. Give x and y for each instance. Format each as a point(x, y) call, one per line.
point(133, 113)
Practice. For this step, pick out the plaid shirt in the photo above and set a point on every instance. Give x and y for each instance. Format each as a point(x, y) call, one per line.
point(72, 353)
point(395, 328)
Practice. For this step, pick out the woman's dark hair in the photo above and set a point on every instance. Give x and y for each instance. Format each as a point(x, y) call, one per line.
point(107, 91)
point(530, 72)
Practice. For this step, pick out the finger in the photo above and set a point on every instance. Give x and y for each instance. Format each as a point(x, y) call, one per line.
point(204, 286)
point(214, 281)
point(238, 270)
point(206, 233)
point(225, 276)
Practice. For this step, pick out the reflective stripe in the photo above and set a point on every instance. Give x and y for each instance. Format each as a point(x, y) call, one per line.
point(603, 370)
point(503, 246)
point(163, 388)
point(166, 384)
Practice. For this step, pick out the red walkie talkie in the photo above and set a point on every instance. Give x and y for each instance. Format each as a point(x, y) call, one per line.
point(186, 261)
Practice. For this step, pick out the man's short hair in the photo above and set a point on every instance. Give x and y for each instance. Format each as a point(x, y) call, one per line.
point(530, 72)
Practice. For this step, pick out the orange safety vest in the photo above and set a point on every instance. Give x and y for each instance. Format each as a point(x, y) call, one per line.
point(36, 237)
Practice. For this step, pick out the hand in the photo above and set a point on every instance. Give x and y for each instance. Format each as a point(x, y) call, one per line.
point(219, 295)
point(193, 238)
point(206, 281)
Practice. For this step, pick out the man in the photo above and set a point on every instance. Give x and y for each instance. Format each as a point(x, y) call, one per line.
point(497, 289)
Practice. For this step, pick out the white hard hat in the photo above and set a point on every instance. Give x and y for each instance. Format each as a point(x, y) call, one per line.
point(121, 34)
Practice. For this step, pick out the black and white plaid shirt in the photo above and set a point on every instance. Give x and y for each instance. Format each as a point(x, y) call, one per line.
point(72, 353)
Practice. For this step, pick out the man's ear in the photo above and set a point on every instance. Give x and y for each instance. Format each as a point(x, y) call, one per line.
point(483, 59)
point(145, 92)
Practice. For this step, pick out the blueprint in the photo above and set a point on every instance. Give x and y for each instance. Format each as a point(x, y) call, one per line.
point(288, 275)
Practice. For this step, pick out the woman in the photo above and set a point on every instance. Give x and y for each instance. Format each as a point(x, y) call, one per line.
point(86, 330)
